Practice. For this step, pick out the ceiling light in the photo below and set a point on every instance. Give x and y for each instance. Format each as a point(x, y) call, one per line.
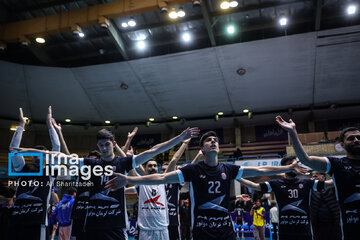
point(107, 122)
point(186, 37)
point(283, 21)
point(351, 9)
point(151, 119)
point(220, 113)
point(132, 22)
point(196, 3)
point(174, 117)
point(173, 14)
point(81, 34)
point(124, 86)
point(164, 10)
point(68, 120)
point(230, 29)
point(141, 44)
point(141, 37)
point(40, 40)
point(124, 25)
point(245, 110)
point(181, 13)
point(225, 5)
point(233, 4)
point(241, 71)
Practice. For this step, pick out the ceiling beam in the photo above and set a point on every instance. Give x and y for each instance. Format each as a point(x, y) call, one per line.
point(207, 20)
point(115, 35)
point(41, 54)
point(187, 19)
point(174, 41)
point(318, 15)
point(43, 5)
point(65, 21)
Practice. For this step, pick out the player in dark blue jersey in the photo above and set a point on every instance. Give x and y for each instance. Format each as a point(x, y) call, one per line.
point(344, 171)
point(209, 188)
point(293, 200)
point(106, 216)
point(29, 216)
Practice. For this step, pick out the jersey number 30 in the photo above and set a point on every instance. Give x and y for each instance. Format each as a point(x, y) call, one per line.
point(293, 193)
point(214, 186)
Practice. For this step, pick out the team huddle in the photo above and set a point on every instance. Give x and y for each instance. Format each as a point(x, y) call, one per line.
point(99, 211)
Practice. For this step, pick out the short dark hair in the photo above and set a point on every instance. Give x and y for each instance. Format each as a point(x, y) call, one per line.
point(71, 190)
point(105, 134)
point(94, 154)
point(286, 160)
point(206, 135)
point(149, 161)
point(321, 173)
point(40, 147)
point(345, 130)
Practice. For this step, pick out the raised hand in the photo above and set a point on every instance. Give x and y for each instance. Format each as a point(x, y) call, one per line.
point(243, 197)
point(57, 126)
point(132, 134)
point(22, 120)
point(49, 117)
point(118, 182)
point(190, 133)
point(297, 168)
point(287, 126)
point(187, 141)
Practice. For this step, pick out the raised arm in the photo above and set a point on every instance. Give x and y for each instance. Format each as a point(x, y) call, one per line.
point(316, 163)
point(172, 164)
point(119, 151)
point(55, 142)
point(267, 171)
point(58, 128)
point(162, 147)
point(153, 179)
point(130, 137)
point(250, 184)
point(18, 161)
point(197, 157)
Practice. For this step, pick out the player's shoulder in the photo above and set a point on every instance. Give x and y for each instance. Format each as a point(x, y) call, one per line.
point(92, 161)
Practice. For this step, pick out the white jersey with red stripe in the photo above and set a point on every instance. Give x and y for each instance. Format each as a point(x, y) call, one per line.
point(153, 207)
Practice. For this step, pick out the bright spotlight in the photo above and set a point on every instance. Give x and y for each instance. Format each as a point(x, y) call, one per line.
point(181, 13)
point(141, 44)
point(225, 5)
point(351, 9)
point(283, 21)
point(230, 29)
point(81, 34)
point(233, 4)
point(40, 40)
point(186, 37)
point(132, 22)
point(124, 25)
point(173, 14)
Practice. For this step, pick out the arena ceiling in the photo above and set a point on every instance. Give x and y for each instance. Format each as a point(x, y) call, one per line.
point(54, 20)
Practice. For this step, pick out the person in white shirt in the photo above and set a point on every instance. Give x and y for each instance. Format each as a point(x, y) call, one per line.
point(274, 218)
